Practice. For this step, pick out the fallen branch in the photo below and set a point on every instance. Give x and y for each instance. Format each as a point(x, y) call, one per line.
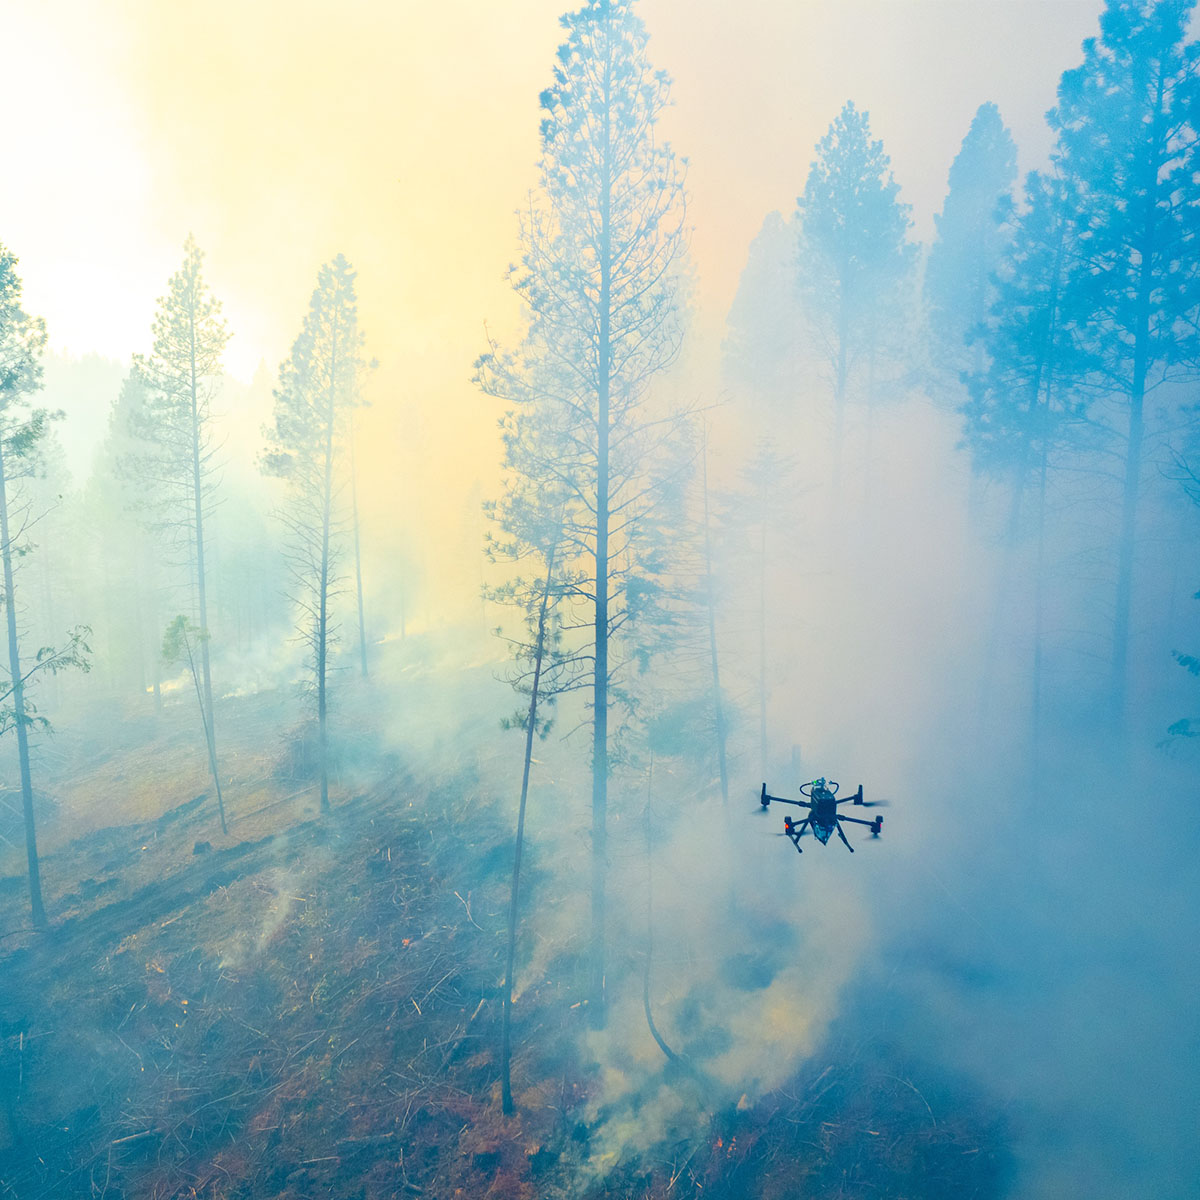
point(133, 1137)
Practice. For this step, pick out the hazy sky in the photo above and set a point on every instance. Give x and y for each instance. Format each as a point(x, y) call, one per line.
point(405, 135)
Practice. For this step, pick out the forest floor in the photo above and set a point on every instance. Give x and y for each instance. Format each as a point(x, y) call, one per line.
point(310, 1005)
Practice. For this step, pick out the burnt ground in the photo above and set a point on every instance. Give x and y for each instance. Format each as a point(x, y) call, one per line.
point(310, 1008)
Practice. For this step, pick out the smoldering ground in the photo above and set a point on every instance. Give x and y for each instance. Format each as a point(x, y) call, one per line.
point(1024, 928)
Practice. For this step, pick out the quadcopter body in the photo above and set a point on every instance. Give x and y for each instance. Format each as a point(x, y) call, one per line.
point(823, 819)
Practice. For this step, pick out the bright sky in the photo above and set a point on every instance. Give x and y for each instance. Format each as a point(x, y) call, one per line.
point(404, 134)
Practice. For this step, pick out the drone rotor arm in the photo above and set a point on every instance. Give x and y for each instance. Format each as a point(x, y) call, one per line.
point(767, 798)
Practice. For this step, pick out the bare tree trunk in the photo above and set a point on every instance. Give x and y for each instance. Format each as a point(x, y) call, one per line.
point(660, 1041)
point(718, 707)
point(201, 596)
point(1001, 601)
point(362, 625)
point(322, 648)
point(596, 996)
point(762, 647)
point(839, 395)
point(1148, 251)
point(19, 716)
point(1039, 601)
point(506, 1099)
point(1129, 507)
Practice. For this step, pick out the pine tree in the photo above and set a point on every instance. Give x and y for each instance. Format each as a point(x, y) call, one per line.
point(1126, 126)
point(180, 378)
point(354, 523)
point(1024, 414)
point(318, 389)
point(855, 258)
point(959, 291)
point(22, 428)
point(1019, 407)
point(530, 534)
point(760, 349)
point(1188, 474)
point(602, 241)
point(123, 563)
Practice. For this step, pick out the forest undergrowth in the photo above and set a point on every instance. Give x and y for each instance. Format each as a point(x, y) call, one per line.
point(311, 1008)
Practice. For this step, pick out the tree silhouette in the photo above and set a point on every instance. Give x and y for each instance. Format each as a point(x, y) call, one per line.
point(959, 291)
point(761, 348)
point(530, 534)
point(1126, 150)
point(854, 256)
point(22, 340)
point(180, 378)
point(1024, 415)
point(602, 241)
point(318, 388)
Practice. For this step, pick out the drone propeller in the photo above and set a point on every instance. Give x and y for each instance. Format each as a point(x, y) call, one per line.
point(858, 801)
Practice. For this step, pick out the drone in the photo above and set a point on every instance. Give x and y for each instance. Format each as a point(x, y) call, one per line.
point(823, 817)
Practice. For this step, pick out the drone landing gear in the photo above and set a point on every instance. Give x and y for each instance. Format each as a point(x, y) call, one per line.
point(795, 832)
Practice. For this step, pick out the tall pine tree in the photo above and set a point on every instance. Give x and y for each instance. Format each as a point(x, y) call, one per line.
point(854, 258)
point(22, 428)
point(602, 242)
point(180, 377)
point(1127, 131)
point(318, 388)
point(1023, 416)
point(966, 253)
point(530, 535)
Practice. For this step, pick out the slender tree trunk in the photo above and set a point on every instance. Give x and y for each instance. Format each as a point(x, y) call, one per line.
point(975, 490)
point(654, 1032)
point(19, 716)
point(1002, 598)
point(866, 516)
point(1129, 506)
point(362, 625)
point(600, 630)
point(321, 651)
point(718, 707)
point(1043, 381)
point(49, 617)
point(839, 395)
point(1039, 602)
point(1148, 252)
point(201, 595)
point(139, 618)
point(323, 583)
point(506, 1099)
point(762, 646)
